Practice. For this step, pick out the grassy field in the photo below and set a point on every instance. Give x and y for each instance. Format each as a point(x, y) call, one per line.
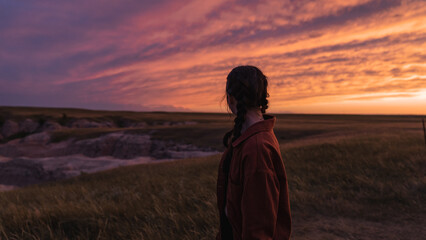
point(350, 177)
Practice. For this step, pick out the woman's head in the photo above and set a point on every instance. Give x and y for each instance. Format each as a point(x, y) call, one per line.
point(246, 89)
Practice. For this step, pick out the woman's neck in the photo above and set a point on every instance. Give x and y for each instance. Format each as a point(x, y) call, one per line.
point(252, 116)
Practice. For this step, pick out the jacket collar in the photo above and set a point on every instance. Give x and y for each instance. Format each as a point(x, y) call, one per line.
point(262, 126)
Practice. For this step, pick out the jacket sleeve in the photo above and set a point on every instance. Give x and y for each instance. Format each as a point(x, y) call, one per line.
point(259, 205)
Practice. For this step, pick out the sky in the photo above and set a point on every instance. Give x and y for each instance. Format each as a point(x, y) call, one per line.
point(320, 56)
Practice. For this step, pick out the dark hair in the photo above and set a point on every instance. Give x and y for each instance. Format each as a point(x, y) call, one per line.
point(248, 85)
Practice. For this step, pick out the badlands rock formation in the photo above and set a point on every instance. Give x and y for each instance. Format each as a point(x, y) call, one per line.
point(84, 123)
point(51, 126)
point(117, 144)
point(34, 158)
point(9, 128)
point(28, 126)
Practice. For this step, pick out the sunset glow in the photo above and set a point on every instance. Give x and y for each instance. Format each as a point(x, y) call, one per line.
point(351, 56)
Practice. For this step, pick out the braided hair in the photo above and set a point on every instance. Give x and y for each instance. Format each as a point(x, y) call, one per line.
point(248, 85)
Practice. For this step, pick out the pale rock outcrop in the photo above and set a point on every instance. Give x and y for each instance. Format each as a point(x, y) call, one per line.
point(101, 146)
point(172, 150)
point(106, 124)
point(132, 145)
point(28, 126)
point(83, 123)
point(162, 149)
point(34, 159)
point(9, 128)
point(36, 138)
point(20, 148)
point(118, 145)
point(127, 146)
point(51, 126)
point(34, 145)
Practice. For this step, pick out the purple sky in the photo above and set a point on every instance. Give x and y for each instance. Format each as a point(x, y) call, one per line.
point(352, 56)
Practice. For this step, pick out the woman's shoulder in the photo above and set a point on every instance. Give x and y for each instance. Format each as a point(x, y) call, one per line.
point(260, 151)
point(260, 141)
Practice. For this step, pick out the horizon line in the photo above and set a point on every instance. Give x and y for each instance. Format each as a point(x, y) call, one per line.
point(211, 112)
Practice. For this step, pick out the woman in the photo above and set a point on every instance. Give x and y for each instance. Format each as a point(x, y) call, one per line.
point(252, 191)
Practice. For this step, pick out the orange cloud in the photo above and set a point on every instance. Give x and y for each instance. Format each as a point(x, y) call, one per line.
point(352, 56)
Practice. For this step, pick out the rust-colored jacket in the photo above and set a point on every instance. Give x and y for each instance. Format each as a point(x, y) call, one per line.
point(257, 201)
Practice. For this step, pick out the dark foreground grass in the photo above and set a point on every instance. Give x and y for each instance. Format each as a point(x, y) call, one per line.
point(366, 180)
point(372, 178)
point(158, 201)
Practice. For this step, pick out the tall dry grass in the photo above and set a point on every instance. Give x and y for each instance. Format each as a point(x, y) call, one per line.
point(375, 183)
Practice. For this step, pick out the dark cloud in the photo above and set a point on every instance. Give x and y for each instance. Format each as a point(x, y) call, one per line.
point(101, 53)
point(250, 32)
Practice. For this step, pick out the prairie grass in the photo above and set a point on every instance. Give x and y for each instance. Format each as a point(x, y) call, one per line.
point(174, 200)
point(364, 180)
point(350, 177)
point(363, 177)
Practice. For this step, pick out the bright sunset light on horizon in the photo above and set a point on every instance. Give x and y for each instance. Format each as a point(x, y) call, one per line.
point(321, 56)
